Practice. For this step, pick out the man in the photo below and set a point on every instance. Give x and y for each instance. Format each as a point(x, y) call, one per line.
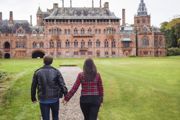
point(50, 84)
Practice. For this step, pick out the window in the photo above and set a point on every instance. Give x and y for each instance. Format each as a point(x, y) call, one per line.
point(41, 44)
point(106, 53)
point(58, 44)
point(113, 44)
point(90, 44)
point(113, 53)
point(34, 44)
point(145, 42)
point(51, 44)
point(160, 41)
point(59, 31)
point(82, 44)
point(75, 43)
point(98, 43)
point(82, 31)
point(75, 31)
point(55, 31)
point(106, 43)
point(126, 44)
point(20, 44)
point(89, 31)
point(67, 44)
point(76, 53)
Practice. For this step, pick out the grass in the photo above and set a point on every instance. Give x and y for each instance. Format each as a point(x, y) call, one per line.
point(135, 88)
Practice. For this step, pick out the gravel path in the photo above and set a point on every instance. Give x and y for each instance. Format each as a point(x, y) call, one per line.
point(72, 110)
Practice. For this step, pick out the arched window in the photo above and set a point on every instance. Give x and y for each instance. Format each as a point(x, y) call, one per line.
point(106, 43)
point(82, 44)
point(34, 44)
point(113, 43)
point(51, 43)
point(55, 31)
point(89, 31)
point(75, 31)
point(7, 45)
point(76, 44)
point(160, 41)
point(90, 44)
point(58, 44)
point(41, 44)
point(67, 44)
point(104, 31)
point(98, 43)
point(59, 31)
point(65, 31)
point(20, 44)
point(82, 31)
point(145, 42)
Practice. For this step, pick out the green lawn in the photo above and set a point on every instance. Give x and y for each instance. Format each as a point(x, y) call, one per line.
point(135, 88)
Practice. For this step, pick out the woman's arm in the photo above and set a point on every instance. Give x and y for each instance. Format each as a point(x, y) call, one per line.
point(74, 88)
point(100, 87)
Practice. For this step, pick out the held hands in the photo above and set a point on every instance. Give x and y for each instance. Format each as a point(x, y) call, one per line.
point(64, 102)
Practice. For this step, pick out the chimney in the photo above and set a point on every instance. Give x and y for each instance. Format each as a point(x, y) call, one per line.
point(100, 4)
point(62, 3)
point(30, 20)
point(123, 17)
point(10, 17)
point(55, 5)
point(0, 17)
point(106, 5)
point(92, 3)
point(70, 3)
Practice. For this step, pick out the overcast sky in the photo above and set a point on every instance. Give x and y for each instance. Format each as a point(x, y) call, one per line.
point(160, 10)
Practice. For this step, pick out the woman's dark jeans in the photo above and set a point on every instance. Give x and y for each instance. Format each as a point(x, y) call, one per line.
point(90, 107)
point(45, 110)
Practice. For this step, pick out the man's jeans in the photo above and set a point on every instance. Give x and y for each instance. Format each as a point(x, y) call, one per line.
point(45, 110)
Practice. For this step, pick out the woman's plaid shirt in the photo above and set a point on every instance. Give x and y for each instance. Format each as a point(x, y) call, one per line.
point(94, 87)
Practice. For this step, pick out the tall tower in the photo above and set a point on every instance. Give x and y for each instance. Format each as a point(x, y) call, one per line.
point(39, 16)
point(123, 17)
point(11, 18)
point(142, 18)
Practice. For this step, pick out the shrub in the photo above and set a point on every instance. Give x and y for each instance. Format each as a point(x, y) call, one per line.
point(173, 51)
point(3, 75)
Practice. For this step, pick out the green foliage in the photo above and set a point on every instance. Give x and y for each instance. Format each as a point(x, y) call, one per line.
point(172, 32)
point(173, 51)
point(3, 75)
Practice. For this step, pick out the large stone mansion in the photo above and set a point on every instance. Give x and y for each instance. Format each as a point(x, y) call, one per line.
point(80, 32)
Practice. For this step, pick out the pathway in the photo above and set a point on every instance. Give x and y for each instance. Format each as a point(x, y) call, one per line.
point(72, 110)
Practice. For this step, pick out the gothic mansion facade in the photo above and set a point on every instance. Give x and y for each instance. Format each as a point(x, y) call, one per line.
point(80, 32)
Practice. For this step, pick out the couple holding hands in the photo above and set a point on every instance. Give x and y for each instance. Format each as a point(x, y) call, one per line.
point(51, 87)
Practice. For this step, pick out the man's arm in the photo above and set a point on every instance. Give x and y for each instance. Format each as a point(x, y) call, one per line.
point(62, 83)
point(33, 88)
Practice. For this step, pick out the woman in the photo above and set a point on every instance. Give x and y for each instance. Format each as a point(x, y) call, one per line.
point(91, 92)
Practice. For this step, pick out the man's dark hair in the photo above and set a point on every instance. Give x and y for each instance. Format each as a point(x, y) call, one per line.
point(48, 60)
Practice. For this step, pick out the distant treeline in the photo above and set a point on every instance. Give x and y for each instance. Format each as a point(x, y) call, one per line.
point(171, 31)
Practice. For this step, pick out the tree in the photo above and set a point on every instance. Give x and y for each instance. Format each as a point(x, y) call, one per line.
point(171, 31)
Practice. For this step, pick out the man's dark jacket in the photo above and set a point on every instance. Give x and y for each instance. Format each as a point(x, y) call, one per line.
point(49, 82)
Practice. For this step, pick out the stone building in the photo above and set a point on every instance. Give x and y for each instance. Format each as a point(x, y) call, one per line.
point(150, 41)
point(80, 32)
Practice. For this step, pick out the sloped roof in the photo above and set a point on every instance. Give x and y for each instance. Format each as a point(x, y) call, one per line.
point(81, 13)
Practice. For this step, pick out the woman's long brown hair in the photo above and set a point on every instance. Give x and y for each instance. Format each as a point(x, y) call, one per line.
point(89, 70)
